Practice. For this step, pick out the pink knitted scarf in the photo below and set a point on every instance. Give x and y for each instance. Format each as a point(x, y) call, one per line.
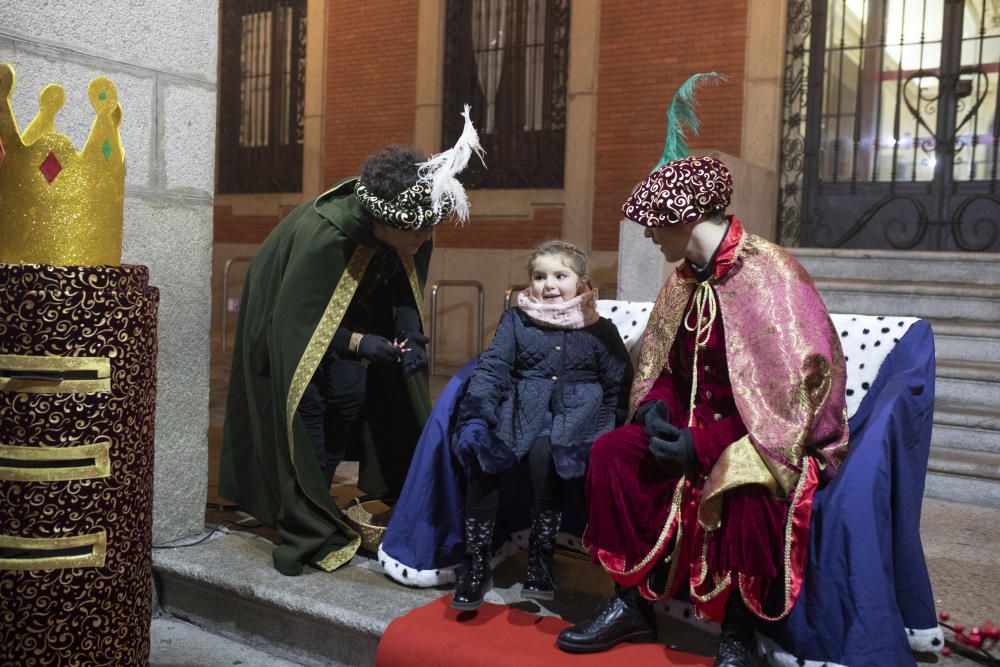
point(577, 313)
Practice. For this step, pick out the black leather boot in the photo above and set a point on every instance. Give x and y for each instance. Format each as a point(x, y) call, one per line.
point(540, 581)
point(627, 617)
point(475, 577)
point(738, 641)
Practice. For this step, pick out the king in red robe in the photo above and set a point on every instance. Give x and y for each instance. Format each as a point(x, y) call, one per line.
point(737, 414)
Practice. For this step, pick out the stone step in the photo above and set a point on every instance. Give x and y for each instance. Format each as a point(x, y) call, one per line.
point(892, 265)
point(965, 463)
point(962, 489)
point(965, 476)
point(969, 427)
point(229, 587)
point(969, 382)
point(966, 341)
point(932, 301)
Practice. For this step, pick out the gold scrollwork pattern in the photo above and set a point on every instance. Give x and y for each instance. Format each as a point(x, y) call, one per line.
point(97, 615)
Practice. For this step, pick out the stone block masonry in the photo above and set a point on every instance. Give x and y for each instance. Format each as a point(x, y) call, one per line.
point(161, 56)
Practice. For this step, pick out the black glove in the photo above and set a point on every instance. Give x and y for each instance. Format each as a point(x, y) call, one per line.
point(675, 452)
point(672, 447)
point(415, 353)
point(377, 349)
point(654, 417)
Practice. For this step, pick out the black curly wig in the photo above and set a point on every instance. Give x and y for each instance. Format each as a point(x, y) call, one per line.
point(391, 170)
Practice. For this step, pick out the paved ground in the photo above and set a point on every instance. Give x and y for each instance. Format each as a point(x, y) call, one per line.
point(174, 643)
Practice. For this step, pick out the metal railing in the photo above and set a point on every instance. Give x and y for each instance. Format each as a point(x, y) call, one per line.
point(225, 295)
point(509, 294)
point(432, 362)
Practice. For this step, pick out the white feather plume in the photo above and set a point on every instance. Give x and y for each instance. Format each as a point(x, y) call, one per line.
point(441, 169)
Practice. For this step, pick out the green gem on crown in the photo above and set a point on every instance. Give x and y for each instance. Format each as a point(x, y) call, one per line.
point(102, 95)
point(106, 148)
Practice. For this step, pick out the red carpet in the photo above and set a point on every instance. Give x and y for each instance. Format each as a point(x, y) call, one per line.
point(436, 634)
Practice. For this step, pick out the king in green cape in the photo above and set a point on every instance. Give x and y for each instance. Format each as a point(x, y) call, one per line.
point(331, 309)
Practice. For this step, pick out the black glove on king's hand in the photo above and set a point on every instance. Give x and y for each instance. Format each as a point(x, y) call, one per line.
point(675, 452)
point(672, 447)
point(654, 417)
point(415, 353)
point(377, 349)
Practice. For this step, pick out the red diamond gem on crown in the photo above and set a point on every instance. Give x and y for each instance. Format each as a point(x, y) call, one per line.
point(50, 168)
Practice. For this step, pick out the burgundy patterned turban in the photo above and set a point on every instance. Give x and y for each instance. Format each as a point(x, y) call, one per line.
point(680, 191)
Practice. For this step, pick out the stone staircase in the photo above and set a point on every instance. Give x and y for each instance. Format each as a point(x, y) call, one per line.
point(959, 294)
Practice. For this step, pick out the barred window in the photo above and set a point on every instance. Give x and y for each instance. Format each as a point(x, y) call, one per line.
point(261, 95)
point(509, 60)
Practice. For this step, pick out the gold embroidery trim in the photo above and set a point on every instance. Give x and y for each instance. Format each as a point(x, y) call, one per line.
point(315, 349)
point(98, 451)
point(97, 541)
point(674, 516)
point(664, 320)
point(721, 584)
point(739, 465)
point(20, 362)
point(789, 525)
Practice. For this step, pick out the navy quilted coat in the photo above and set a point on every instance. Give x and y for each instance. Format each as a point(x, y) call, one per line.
point(575, 382)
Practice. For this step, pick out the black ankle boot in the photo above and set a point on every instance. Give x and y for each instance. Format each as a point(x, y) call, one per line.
point(738, 641)
point(474, 578)
point(627, 617)
point(540, 581)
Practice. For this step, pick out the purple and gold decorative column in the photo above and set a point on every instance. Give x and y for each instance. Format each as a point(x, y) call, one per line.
point(77, 404)
point(77, 396)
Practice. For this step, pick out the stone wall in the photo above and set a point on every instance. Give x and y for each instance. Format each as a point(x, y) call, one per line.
point(161, 56)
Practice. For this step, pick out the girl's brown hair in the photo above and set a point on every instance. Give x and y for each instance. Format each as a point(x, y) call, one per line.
point(575, 258)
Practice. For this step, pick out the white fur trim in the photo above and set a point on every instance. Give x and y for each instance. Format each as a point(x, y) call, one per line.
point(410, 576)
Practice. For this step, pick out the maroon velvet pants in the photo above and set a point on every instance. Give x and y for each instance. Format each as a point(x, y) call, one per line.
point(638, 516)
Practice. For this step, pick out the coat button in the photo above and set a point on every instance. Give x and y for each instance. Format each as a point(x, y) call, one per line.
point(558, 348)
point(708, 369)
point(717, 417)
point(555, 377)
point(708, 394)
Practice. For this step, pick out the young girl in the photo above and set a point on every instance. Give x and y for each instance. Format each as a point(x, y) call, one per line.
point(554, 379)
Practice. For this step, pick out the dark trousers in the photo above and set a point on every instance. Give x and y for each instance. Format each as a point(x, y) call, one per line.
point(331, 408)
point(483, 494)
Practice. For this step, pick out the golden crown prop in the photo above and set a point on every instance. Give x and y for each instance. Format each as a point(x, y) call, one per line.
point(58, 206)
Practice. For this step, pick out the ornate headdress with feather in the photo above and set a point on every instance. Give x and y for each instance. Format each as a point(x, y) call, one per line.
point(437, 192)
point(681, 188)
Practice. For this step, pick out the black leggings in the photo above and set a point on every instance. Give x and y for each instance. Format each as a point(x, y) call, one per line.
point(483, 493)
point(331, 407)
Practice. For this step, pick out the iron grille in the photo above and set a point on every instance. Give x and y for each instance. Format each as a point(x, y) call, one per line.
point(509, 60)
point(891, 131)
point(261, 95)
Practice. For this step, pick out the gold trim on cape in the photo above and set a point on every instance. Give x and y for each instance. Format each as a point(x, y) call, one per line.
point(98, 541)
point(664, 320)
point(308, 363)
point(22, 362)
point(98, 451)
point(740, 464)
point(316, 348)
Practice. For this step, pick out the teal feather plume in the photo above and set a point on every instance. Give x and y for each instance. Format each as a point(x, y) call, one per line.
point(681, 114)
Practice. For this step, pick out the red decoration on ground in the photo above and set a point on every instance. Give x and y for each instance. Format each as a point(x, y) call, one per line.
point(944, 616)
point(990, 630)
point(958, 628)
point(946, 651)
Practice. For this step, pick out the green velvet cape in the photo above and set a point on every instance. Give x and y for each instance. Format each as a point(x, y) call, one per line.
point(297, 289)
